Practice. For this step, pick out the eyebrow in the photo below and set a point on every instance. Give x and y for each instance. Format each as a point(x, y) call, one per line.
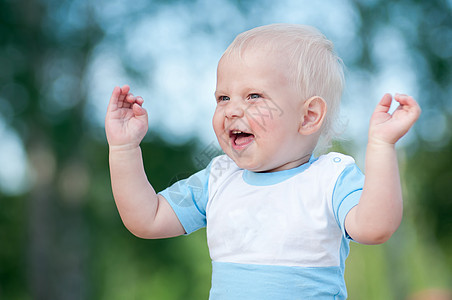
point(216, 93)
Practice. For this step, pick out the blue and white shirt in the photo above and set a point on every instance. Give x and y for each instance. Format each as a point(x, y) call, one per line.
point(276, 235)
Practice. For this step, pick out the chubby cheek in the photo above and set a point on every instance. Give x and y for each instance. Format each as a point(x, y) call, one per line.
point(275, 137)
point(218, 124)
point(264, 126)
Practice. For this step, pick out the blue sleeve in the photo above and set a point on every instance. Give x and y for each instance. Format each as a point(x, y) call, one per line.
point(188, 198)
point(346, 194)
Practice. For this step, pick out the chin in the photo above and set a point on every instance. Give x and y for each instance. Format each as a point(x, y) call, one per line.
point(245, 160)
point(250, 166)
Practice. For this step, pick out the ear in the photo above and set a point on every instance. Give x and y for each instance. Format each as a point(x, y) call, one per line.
point(313, 113)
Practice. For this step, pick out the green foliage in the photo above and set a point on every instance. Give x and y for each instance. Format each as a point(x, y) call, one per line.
point(62, 238)
point(429, 178)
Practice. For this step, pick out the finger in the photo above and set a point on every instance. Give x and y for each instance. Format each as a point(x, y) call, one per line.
point(113, 103)
point(124, 91)
point(408, 104)
point(384, 104)
point(139, 100)
point(130, 98)
point(405, 100)
point(138, 110)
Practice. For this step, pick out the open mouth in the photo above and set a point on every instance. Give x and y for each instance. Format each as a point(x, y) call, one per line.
point(240, 139)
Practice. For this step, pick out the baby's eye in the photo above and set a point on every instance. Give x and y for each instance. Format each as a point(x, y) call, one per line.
point(223, 98)
point(254, 96)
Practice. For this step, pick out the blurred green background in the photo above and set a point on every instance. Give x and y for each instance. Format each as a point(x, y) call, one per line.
point(60, 234)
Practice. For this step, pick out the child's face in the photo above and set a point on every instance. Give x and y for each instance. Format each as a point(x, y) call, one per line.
point(258, 112)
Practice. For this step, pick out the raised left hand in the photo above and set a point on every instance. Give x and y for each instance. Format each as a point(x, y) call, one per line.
point(389, 128)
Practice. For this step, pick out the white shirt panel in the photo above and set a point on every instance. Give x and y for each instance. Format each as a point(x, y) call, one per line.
point(289, 223)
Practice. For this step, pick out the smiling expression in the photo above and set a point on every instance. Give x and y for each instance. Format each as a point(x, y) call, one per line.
point(258, 112)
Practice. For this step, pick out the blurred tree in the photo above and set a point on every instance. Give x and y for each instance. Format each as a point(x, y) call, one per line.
point(63, 239)
point(52, 135)
point(426, 28)
point(429, 179)
point(420, 250)
point(64, 235)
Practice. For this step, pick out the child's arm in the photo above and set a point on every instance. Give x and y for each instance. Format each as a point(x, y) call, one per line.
point(379, 212)
point(143, 212)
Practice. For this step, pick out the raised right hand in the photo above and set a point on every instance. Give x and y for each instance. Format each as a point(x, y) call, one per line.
point(126, 122)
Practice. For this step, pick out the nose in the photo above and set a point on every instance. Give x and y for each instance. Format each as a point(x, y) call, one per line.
point(234, 109)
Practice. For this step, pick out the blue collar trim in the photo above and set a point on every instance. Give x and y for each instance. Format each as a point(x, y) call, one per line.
point(270, 178)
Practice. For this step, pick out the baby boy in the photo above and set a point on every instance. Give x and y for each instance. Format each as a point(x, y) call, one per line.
point(278, 219)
